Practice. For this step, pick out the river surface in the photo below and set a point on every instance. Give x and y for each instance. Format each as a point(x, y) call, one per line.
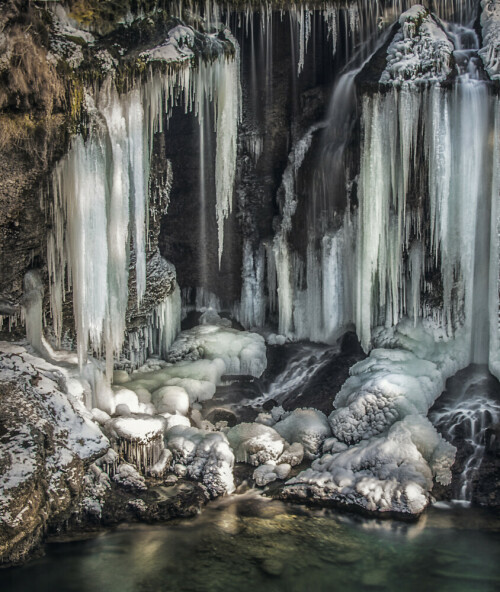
point(249, 543)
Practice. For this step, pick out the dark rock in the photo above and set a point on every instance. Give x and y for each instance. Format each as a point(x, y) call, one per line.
point(221, 414)
point(269, 404)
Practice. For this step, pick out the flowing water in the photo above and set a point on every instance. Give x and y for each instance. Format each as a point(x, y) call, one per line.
point(247, 543)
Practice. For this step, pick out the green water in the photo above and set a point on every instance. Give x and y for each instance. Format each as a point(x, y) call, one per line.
point(248, 543)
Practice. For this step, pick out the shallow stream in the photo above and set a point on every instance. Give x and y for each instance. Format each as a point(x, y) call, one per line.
point(250, 543)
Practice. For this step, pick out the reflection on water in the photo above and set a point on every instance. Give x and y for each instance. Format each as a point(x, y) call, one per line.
point(250, 543)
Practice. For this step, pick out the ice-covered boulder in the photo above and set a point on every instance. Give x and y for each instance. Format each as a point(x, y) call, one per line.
point(490, 25)
point(391, 473)
point(255, 444)
point(267, 473)
point(308, 427)
point(197, 390)
point(206, 456)
point(171, 399)
point(383, 388)
point(293, 454)
point(199, 378)
point(137, 438)
point(242, 352)
point(128, 477)
point(420, 51)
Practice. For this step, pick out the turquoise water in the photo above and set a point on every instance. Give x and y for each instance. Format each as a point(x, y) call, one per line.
point(249, 543)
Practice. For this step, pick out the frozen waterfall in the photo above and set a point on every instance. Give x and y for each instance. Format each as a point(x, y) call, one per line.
point(101, 192)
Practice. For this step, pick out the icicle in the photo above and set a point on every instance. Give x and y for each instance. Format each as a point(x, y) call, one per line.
point(32, 308)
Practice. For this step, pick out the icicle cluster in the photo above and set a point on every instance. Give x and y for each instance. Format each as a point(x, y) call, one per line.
point(100, 192)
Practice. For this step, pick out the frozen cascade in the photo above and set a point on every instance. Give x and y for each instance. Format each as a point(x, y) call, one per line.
point(456, 129)
point(105, 177)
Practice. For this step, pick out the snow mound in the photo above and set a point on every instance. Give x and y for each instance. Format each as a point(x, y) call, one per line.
point(420, 50)
point(206, 456)
point(490, 24)
point(242, 352)
point(308, 427)
point(255, 444)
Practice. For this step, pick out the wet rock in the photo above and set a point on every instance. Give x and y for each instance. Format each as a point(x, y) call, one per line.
point(222, 414)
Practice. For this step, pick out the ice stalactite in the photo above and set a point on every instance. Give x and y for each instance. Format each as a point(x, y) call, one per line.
point(159, 332)
point(228, 116)
point(101, 192)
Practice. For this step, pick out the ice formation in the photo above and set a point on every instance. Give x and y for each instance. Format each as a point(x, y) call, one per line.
point(90, 244)
point(267, 473)
point(386, 474)
point(138, 439)
point(308, 427)
point(255, 444)
point(206, 457)
point(241, 351)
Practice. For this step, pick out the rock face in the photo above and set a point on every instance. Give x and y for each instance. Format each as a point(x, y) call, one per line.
point(47, 443)
point(490, 26)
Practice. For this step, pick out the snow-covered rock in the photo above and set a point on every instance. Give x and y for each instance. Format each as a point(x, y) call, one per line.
point(176, 47)
point(255, 444)
point(308, 427)
point(420, 50)
point(48, 441)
